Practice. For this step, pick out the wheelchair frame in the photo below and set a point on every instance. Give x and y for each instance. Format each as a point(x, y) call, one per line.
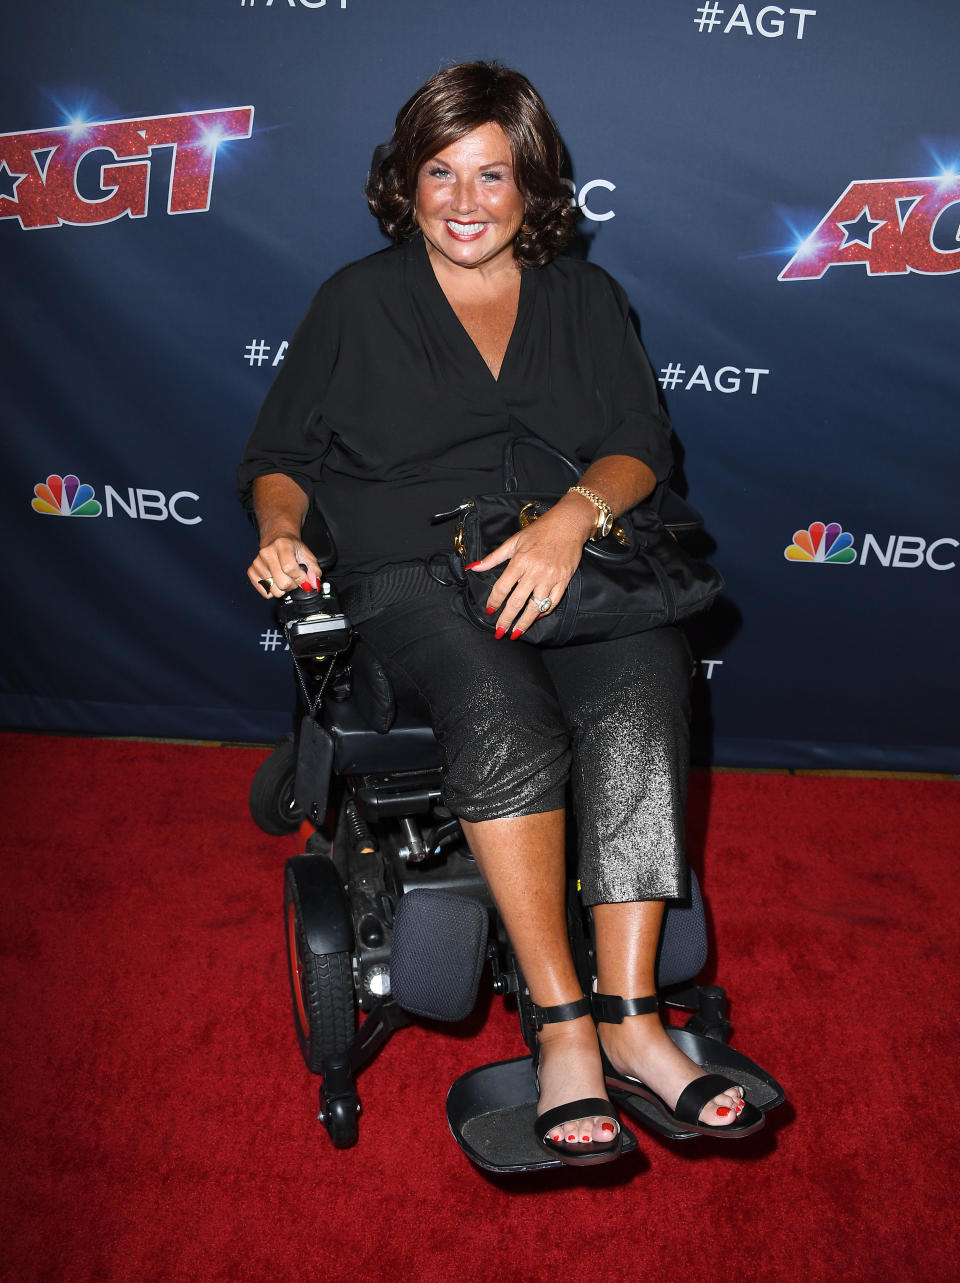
point(379, 833)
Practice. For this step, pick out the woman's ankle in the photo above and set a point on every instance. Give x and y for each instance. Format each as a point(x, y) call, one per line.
point(580, 1030)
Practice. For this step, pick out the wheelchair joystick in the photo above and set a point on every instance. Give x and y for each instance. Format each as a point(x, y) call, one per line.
point(313, 622)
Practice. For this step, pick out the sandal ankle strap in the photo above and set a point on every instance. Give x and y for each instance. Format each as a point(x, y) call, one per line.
point(563, 1011)
point(611, 1009)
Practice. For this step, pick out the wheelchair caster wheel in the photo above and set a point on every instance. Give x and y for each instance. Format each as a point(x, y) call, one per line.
point(272, 802)
point(340, 1119)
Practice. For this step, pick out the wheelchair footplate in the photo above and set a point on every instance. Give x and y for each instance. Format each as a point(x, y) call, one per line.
point(491, 1112)
point(759, 1088)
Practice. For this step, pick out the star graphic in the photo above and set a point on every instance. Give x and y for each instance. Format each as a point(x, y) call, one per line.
point(9, 180)
point(859, 230)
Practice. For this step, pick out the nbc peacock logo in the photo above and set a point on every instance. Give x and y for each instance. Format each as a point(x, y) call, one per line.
point(826, 543)
point(65, 497)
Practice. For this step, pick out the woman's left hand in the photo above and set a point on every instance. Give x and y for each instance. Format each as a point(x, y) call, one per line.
point(541, 560)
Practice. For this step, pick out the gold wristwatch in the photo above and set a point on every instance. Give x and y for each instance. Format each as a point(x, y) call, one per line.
point(604, 511)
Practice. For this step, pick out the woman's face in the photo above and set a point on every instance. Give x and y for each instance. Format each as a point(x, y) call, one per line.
point(468, 206)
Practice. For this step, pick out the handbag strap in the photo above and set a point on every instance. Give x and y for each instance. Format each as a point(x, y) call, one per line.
point(509, 462)
point(677, 515)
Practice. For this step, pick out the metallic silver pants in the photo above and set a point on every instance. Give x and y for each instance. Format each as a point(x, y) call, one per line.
point(517, 723)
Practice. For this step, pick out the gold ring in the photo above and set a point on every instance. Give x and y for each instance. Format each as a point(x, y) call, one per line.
point(265, 584)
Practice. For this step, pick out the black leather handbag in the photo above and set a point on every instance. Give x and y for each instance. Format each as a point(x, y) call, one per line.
point(635, 578)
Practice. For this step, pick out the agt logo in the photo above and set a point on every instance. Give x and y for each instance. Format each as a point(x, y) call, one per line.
point(88, 173)
point(69, 497)
point(893, 225)
point(832, 545)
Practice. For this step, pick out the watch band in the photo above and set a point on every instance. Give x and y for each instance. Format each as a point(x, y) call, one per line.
point(604, 511)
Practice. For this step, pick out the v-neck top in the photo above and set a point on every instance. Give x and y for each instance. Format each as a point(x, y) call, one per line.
point(385, 413)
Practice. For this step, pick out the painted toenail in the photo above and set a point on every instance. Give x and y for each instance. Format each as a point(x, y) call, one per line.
point(722, 1111)
point(584, 1137)
point(571, 1138)
point(740, 1108)
point(606, 1127)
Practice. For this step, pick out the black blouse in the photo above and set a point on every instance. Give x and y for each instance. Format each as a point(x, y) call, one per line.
point(384, 411)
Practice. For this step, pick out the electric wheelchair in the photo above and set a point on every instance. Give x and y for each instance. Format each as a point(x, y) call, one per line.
point(386, 913)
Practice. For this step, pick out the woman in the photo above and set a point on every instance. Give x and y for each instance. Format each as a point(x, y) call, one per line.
point(408, 374)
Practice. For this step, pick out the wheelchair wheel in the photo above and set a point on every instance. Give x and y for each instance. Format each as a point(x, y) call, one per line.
point(341, 1123)
point(272, 803)
point(321, 985)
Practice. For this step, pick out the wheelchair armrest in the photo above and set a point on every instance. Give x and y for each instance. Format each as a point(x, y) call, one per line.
point(358, 749)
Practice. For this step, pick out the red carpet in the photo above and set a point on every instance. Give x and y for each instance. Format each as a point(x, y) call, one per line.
point(158, 1122)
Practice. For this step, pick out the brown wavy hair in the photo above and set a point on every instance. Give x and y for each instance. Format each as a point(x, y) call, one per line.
point(453, 103)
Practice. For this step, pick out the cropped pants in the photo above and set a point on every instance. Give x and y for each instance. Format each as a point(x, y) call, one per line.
point(518, 723)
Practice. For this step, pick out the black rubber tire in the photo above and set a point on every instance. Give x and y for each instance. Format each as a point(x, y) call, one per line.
point(272, 802)
point(341, 1123)
point(321, 988)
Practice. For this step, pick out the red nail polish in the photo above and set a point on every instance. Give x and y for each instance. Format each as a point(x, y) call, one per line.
point(471, 566)
point(722, 1111)
point(740, 1107)
point(517, 632)
point(571, 1138)
point(606, 1127)
point(499, 633)
point(491, 610)
point(584, 1137)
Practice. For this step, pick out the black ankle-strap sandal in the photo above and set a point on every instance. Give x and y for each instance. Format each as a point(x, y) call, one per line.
point(612, 1009)
point(585, 1153)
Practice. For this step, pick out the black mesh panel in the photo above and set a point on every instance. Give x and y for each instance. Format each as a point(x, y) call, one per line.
point(437, 955)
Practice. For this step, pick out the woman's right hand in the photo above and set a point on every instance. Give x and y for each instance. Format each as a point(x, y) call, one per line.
point(283, 564)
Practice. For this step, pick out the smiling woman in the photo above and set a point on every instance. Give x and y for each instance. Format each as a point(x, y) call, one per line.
point(410, 375)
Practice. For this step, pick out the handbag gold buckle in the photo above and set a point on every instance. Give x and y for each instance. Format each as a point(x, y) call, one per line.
point(529, 513)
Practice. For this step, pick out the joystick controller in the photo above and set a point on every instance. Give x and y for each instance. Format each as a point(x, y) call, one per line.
point(313, 622)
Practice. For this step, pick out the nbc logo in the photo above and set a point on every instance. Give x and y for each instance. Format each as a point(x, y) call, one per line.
point(823, 543)
point(65, 497)
point(831, 543)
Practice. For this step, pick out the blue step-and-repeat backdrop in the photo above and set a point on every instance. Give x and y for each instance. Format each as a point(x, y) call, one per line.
point(776, 186)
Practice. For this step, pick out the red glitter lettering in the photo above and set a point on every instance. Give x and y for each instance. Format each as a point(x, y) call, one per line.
point(886, 224)
point(44, 164)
